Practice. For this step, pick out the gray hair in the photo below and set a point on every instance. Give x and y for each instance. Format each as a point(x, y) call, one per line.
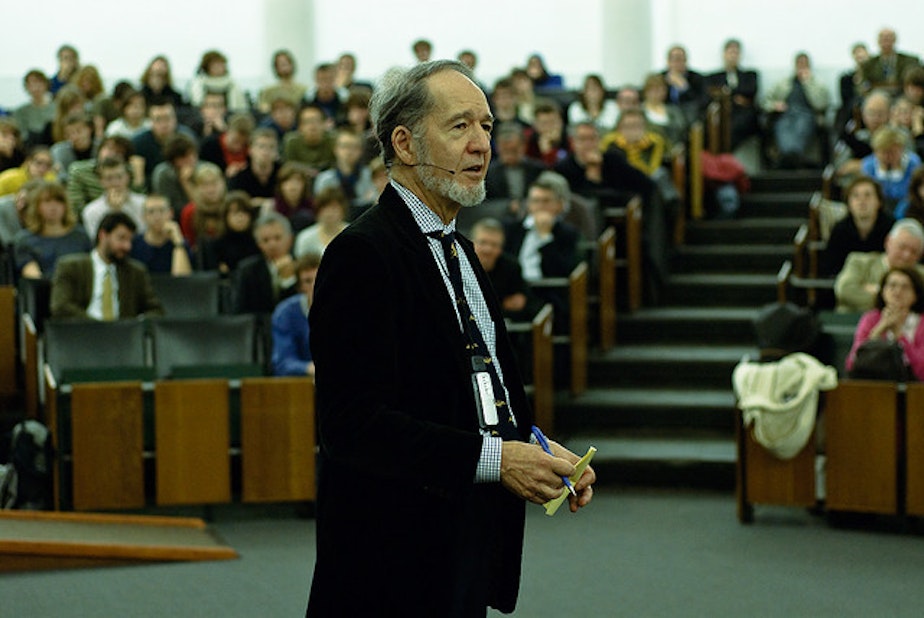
point(911, 226)
point(556, 183)
point(272, 218)
point(402, 98)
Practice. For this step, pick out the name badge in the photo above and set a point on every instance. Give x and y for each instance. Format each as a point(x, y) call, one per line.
point(484, 399)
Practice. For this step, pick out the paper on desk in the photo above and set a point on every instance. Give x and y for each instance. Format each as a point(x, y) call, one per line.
point(551, 507)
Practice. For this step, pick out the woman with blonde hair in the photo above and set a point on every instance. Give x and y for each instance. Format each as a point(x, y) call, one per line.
point(204, 216)
point(51, 230)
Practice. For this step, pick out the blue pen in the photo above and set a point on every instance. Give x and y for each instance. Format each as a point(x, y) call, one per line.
point(544, 443)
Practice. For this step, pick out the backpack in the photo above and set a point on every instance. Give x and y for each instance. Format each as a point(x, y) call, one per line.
point(29, 484)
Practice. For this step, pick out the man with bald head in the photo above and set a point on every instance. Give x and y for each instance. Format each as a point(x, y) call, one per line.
point(425, 455)
point(887, 70)
point(857, 284)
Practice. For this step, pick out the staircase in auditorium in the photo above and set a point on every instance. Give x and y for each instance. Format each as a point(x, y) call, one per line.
point(660, 407)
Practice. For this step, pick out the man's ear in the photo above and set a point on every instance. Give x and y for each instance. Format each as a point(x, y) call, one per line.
point(403, 142)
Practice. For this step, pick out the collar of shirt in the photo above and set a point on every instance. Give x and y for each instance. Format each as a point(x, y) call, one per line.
point(426, 219)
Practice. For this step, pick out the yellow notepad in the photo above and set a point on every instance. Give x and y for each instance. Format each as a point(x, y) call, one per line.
point(551, 507)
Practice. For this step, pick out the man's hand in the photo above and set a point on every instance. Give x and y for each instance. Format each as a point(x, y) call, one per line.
point(285, 266)
point(527, 471)
point(173, 231)
point(584, 486)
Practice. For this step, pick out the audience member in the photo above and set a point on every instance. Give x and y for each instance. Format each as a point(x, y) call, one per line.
point(663, 117)
point(525, 95)
point(282, 116)
point(35, 117)
point(99, 106)
point(685, 88)
point(742, 86)
point(888, 68)
point(104, 284)
point(133, 116)
point(504, 104)
point(210, 117)
point(511, 173)
point(68, 102)
point(235, 242)
point(293, 195)
point(116, 197)
point(857, 284)
point(912, 206)
point(212, 77)
point(37, 165)
point(592, 104)
point(854, 143)
point(150, 144)
point(157, 83)
point(202, 217)
point(864, 229)
point(331, 208)
point(77, 145)
point(12, 153)
point(549, 140)
point(68, 63)
point(422, 49)
point(161, 247)
point(356, 119)
point(628, 97)
point(259, 282)
point(310, 144)
point(51, 231)
point(172, 177)
point(291, 90)
point(228, 149)
point(348, 173)
point(542, 79)
point(896, 318)
point(291, 353)
point(258, 178)
point(13, 213)
point(517, 299)
point(83, 182)
point(891, 164)
point(346, 74)
point(799, 103)
point(852, 86)
point(326, 96)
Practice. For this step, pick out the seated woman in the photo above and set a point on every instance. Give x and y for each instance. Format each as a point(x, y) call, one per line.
point(891, 163)
point(663, 117)
point(897, 317)
point(331, 208)
point(593, 106)
point(864, 229)
point(293, 195)
point(51, 231)
point(644, 150)
point(236, 241)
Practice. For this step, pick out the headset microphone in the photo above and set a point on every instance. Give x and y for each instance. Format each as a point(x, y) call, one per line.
point(448, 171)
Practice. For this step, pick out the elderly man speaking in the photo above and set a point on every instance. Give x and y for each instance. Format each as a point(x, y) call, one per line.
point(425, 459)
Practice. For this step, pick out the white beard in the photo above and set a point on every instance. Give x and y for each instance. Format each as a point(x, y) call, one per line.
point(441, 183)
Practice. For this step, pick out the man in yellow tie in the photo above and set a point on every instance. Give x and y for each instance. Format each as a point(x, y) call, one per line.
point(104, 284)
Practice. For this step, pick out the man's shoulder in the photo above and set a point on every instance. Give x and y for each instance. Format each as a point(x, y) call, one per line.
point(287, 306)
point(862, 260)
point(72, 261)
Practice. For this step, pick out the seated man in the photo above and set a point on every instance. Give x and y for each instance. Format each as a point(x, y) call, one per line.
point(549, 141)
point(741, 85)
point(172, 177)
point(104, 284)
point(857, 284)
point(800, 102)
point(310, 144)
point(161, 248)
point(888, 68)
point(260, 281)
point(258, 177)
point(511, 173)
point(854, 143)
point(291, 354)
point(117, 196)
point(517, 299)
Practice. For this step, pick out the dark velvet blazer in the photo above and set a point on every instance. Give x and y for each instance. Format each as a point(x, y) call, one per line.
point(397, 425)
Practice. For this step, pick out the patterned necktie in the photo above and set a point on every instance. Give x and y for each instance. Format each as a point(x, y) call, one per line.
point(506, 426)
point(107, 304)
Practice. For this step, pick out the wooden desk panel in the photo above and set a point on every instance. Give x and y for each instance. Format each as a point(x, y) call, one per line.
point(861, 421)
point(914, 450)
point(192, 439)
point(107, 446)
point(277, 439)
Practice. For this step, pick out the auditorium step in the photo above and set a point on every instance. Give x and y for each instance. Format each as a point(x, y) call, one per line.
point(730, 258)
point(667, 366)
point(751, 232)
point(722, 289)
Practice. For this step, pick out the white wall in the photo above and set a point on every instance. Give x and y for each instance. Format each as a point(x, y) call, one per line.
point(622, 39)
